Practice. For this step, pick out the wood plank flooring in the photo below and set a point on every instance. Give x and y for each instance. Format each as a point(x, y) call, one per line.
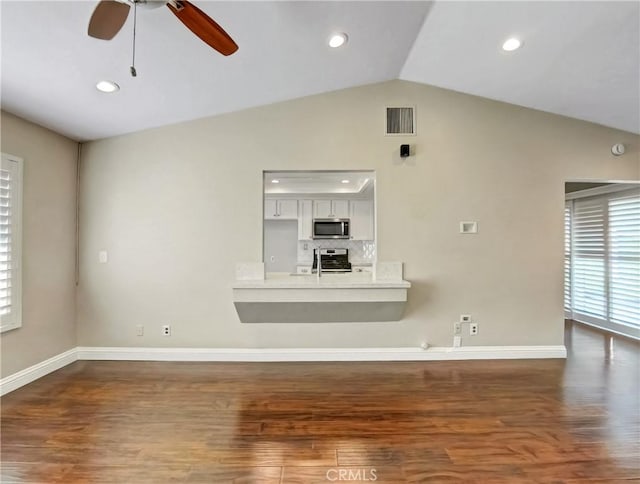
point(526, 421)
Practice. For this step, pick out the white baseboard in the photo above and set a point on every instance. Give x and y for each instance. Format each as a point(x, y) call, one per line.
point(23, 377)
point(322, 354)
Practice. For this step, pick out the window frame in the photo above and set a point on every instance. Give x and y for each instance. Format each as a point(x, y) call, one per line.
point(17, 169)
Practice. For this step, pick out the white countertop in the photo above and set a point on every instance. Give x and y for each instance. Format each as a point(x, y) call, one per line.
point(358, 280)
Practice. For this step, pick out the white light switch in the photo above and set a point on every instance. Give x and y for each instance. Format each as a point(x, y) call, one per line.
point(103, 258)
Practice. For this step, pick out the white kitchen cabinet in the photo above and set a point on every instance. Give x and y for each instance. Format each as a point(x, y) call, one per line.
point(321, 208)
point(280, 209)
point(270, 209)
point(288, 209)
point(361, 215)
point(331, 208)
point(305, 220)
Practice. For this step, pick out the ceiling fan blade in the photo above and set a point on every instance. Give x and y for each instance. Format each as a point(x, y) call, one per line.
point(107, 19)
point(204, 27)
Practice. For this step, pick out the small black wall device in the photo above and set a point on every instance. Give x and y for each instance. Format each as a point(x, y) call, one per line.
point(404, 151)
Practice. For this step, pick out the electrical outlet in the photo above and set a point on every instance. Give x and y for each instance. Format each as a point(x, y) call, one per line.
point(456, 341)
point(465, 318)
point(473, 329)
point(139, 330)
point(457, 328)
point(166, 330)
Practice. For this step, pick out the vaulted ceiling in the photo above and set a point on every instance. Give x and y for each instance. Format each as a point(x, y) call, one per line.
point(579, 59)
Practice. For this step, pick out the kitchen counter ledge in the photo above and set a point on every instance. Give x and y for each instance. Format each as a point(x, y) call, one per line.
point(345, 297)
point(353, 280)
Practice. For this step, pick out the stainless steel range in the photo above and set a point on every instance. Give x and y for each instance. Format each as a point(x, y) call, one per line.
point(331, 260)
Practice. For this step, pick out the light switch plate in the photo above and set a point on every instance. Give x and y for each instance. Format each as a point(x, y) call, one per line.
point(103, 257)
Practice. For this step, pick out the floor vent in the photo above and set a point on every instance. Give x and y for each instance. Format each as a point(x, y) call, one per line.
point(401, 121)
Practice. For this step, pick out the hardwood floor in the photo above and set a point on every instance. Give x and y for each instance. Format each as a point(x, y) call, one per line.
point(527, 421)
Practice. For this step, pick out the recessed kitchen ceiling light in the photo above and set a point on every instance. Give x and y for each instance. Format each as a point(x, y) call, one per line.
point(345, 181)
point(275, 181)
point(107, 86)
point(511, 44)
point(337, 40)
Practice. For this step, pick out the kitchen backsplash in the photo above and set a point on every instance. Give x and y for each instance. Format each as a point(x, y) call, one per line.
point(360, 251)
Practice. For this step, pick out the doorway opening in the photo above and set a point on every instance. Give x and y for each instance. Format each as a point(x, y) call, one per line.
point(602, 255)
point(309, 212)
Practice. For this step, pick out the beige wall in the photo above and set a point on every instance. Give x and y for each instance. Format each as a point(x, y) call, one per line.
point(49, 201)
point(177, 207)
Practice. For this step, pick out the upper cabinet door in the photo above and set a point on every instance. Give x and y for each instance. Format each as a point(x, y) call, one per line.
point(288, 209)
point(270, 209)
point(331, 208)
point(322, 209)
point(280, 209)
point(340, 208)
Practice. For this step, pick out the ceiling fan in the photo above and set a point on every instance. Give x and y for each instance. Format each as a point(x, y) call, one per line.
point(110, 15)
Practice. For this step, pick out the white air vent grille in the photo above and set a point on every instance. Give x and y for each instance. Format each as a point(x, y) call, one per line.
point(401, 121)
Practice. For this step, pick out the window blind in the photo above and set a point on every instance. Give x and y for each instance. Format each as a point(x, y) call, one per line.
point(624, 261)
point(602, 286)
point(567, 259)
point(10, 242)
point(588, 263)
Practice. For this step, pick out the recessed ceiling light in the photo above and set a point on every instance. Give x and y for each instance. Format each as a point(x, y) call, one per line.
point(511, 44)
point(275, 181)
point(337, 40)
point(345, 181)
point(107, 86)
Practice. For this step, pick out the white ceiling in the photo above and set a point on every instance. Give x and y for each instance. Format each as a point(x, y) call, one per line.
point(580, 59)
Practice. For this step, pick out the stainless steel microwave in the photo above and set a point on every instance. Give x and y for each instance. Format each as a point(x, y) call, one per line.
point(331, 228)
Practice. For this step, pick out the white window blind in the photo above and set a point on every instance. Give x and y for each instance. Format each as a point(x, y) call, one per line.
point(604, 279)
point(10, 242)
point(588, 263)
point(624, 259)
point(567, 258)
